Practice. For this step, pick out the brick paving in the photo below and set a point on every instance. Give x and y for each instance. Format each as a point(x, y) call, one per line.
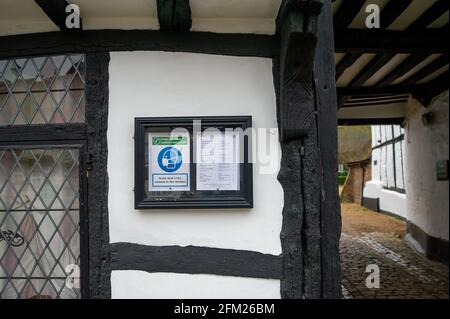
point(403, 272)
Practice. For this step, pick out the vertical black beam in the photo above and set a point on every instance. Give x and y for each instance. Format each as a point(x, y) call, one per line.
point(174, 15)
point(97, 199)
point(301, 172)
point(330, 212)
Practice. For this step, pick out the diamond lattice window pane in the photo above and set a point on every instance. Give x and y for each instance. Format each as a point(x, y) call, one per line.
point(42, 90)
point(39, 223)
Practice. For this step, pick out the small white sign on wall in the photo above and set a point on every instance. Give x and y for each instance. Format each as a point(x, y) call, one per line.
point(169, 162)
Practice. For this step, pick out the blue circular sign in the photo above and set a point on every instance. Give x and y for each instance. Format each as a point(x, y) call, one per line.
point(170, 159)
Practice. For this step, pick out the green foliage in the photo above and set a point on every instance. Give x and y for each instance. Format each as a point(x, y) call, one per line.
point(344, 173)
point(341, 179)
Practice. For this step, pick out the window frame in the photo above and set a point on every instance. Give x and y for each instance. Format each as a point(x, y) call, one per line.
point(70, 135)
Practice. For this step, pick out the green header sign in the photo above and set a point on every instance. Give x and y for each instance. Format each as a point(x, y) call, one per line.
point(165, 140)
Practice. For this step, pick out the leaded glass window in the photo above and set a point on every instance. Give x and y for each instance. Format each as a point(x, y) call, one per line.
point(42, 90)
point(39, 222)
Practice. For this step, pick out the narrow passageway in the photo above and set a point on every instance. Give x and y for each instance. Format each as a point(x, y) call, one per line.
point(373, 238)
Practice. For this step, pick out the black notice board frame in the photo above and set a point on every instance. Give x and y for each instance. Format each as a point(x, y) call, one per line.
point(193, 198)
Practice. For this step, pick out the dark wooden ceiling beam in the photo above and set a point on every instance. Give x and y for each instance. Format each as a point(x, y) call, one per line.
point(389, 14)
point(387, 41)
point(346, 12)
point(368, 91)
point(404, 67)
point(403, 100)
point(391, 11)
point(372, 121)
point(427, 70)
point(345, 63)
point(366, 73)
point(427, 91)
point(378, 99)
point(174, 15)
point(422, 92)
point(370, 69)
point(56, 11)
point(430, 15)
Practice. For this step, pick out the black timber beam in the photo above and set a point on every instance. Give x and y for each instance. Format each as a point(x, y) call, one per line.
point(195, 260)
point(346, 62)
point(56, 11)
point(389, 13)
point(135, 40)
point(404, 67)
point(378, 121)
point(426, 92)
point(306, 114)
point(375, 102)
point(368, 91)
point(370, 69)
point(427, 70)
point(174, 15)
point(389, 41)
point(330, 214)
point(430, 15)
point(346, 12)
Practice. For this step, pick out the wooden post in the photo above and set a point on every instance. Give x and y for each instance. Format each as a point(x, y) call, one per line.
point(308, 126)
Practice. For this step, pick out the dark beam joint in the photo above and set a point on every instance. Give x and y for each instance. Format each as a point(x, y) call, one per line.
point(426, 92)
point(174, 15)
point(56, 11)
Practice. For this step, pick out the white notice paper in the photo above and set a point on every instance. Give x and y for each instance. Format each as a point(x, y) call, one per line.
point(218, 161)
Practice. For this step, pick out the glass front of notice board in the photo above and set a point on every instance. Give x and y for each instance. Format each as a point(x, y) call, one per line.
point(193, 162)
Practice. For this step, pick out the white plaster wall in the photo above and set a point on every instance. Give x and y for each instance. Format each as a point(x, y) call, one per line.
point(376, 164)
point(133, 284)
point(183, 84)
point(427, 198)
point(372, 189)
point(375, 134)
point(393, 202)
point(151, 84)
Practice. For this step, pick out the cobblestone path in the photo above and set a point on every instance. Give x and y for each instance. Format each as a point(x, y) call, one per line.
point(403, 272)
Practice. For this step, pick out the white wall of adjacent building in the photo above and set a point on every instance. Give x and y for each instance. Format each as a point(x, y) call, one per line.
point(387, 183)
point(157, 84)
point(425, 201)
point(428, 198)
